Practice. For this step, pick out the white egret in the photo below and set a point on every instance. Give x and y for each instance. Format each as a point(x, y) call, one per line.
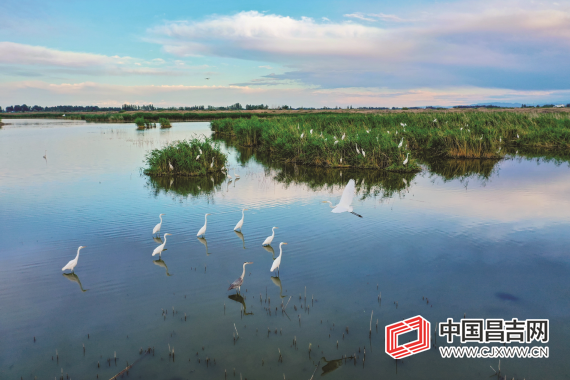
point(311, 131)
point(212, 164)
point(199, 150)
point(240, 223)
point(63, 115)
point(336, 142)
point(202, 231)
point(71, 265)
point(228, 175)
point(277, 262)
point(517, 138)
point(343, 136)
point(158, 250)
point(236, 175)
point(197, 157)
point(405, 182)
point(500, 139)
point(270, 238)
point(401, 142)
point(357, 150)
point(435, 120)
point(461, 128)
point(238, 283)
point(302, 134)
point(345, 204)
point(341, 160)
point(388, 132)
point(367, 131)
point(170, 165)
point(396, 132)
point(406, 160)
point(156, 229)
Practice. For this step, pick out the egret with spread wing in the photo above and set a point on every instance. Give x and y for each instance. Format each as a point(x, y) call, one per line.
point(71, 265)
point(277, 262)
point(345, 204)
point(238, 283)
point(158, 250)
point(270, 238)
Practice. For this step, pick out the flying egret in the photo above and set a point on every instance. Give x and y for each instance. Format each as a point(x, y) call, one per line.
point(401, 142)
point(238, 283)
point(270, 238)
point(240, 223)
point(236, 175)
point(277, 262)
point(71, 265)
point(202, 231)
point(345, 204)
point(156, 229)
point(170, 165)
point(406, 160)
point(158, 250)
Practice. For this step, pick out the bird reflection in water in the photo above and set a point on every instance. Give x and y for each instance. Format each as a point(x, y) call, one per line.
point(157, 239)
point(162, 264)
point(330, 366)
point(74, 278)
point(240, 235)
point(205, 242)
point(269, 249)
point(277, 281)
point(238, 298)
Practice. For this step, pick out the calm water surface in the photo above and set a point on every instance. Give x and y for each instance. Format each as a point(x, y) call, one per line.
point(488, 241)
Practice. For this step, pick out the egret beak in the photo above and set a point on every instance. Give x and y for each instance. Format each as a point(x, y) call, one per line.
point(285, 243)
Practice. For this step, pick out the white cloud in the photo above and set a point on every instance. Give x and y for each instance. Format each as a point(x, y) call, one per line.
point(359, 16)
point(265, 67)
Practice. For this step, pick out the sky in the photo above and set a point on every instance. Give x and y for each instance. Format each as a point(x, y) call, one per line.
point(297, 53)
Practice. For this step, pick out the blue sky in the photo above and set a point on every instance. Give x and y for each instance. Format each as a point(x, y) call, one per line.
point(333, 53)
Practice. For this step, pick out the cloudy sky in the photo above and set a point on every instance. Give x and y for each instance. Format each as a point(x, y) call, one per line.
point(300, 53)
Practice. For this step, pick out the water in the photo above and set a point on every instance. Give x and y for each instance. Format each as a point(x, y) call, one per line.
point(489, 240)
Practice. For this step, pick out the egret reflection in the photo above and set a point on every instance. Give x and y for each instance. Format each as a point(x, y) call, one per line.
point(238, 298)
point(74, 278)
point(330, 366)
point(270, 249)
point(162, 264)
point(157, 239)
point(277, 281)
point(240, 235)
point(205, 242)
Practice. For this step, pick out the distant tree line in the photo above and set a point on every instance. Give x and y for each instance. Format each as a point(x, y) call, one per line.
point(26, 108)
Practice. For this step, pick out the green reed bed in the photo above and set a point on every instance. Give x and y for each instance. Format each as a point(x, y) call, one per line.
point(164, 123)
point(453, 134)
point(186, 159)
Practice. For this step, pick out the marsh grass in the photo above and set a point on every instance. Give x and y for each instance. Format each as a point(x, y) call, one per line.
point(182, 155)
point(479, 135)
point(164, 123)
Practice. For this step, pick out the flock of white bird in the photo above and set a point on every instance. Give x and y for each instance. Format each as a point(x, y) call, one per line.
point(344, 205)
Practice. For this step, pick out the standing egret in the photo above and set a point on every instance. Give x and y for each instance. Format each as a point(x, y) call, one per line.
point(200, 150)
point(202, 231)
point(238, 283)
point(228, 175)
point(212, 164)
point(156, 229)
point(406, 160)
point(158, 250)
point(363, 153)
point(357, 150)
point(345, 200)
point(197, 157)
point(302, 134)
point(170, 165)
point(517, 138)
point(270, 238)
point(336, 142)
point(401, 142)
point(71, 265)
point(236, 175)
point(240, 223)
point(311, 131)
point(343, 136)
point(277, 262)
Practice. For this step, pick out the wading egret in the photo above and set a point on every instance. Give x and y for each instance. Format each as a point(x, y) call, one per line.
point(270, 238)
point(228, 175)
point(240, 223)
point(202, 231)
point(277, 262)
point(238, 283)
point(71, 265)
point(170, 165)
point(158, 250)
point(406, 160)
point(345, 200)
point(156, 229)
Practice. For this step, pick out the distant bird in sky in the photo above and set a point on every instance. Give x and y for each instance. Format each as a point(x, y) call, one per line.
point(406, 160)
point(270, 238)
point(73, 263)
point(345, 204)
point(156, 229)
point(202, 231)
point(277, 262)
point(158, 250)
point(240, 223)
point(239, 282)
